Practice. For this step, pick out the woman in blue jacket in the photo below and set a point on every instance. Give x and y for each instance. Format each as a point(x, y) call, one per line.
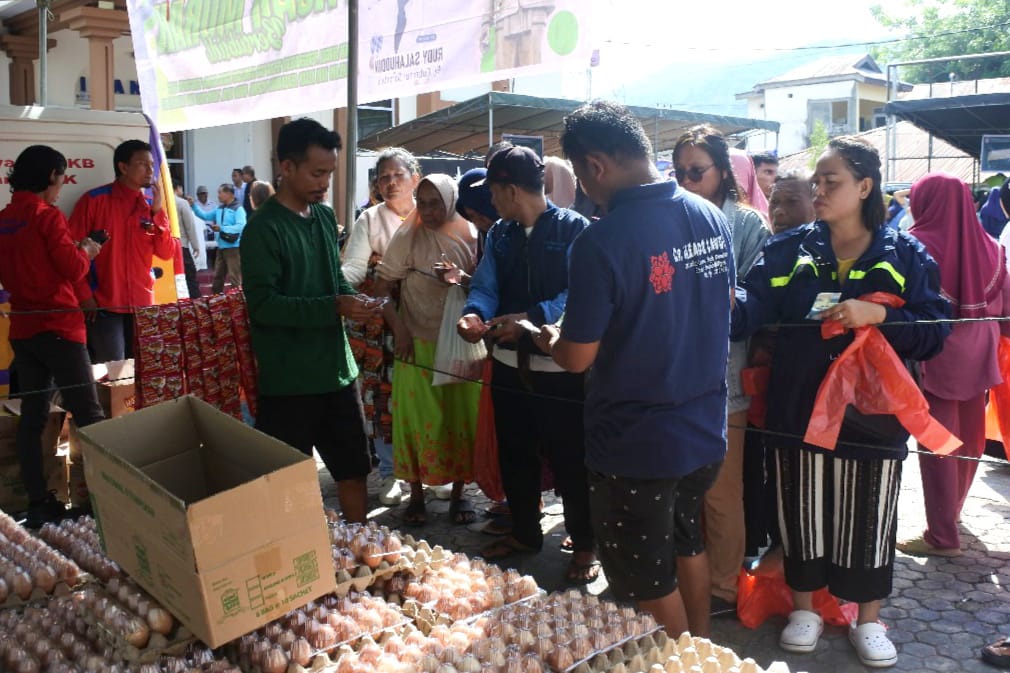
point(838, 510)
point(229, 220)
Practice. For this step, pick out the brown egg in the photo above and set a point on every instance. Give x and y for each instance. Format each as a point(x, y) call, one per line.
point(560, 659)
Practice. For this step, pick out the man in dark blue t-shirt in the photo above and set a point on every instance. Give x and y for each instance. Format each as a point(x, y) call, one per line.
point(648, 308)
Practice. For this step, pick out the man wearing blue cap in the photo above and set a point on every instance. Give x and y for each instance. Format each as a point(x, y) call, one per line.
point(524, 277)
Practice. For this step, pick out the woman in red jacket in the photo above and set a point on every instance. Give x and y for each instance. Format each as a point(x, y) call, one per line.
point(39, 265)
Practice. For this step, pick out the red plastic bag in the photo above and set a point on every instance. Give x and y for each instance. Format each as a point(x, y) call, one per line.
point(997, 412)
point(871, 377)
point(486, 469)
point(762, 596)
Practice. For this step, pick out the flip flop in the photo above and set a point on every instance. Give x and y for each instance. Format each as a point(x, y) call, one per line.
point(567, 545)
point(505, 547)
point(998, 653)
point(461, 512)
point(415, 514)
point(581, 574)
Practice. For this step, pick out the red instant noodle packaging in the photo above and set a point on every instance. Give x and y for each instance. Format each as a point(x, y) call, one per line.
point(871, 377)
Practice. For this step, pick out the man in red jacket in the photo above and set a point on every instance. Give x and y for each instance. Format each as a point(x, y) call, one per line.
point(120, 278)
point(40, 264)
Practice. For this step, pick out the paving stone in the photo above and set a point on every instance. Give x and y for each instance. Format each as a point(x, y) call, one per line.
point(942, 664)
point(920, 650)
point(936, 604)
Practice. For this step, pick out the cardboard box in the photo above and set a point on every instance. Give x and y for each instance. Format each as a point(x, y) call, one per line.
point(117, 391)
point(221, 523)
point(13, 497)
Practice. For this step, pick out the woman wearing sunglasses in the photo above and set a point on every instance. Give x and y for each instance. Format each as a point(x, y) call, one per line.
point(702, 165)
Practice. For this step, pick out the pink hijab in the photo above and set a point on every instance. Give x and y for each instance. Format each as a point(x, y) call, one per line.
point(971, 263)
point(746, 180)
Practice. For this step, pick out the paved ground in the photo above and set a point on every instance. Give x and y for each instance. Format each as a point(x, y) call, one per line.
point(941, 613)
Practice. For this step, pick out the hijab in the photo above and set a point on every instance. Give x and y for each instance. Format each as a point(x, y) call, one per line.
point(746, 180)
point(475, 197)
point(446, 187)
point(562, 177)
point(972, 268)
point(991, 214)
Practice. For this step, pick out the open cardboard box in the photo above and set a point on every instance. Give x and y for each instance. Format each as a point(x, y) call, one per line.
point(221, 523)
point(117, 391)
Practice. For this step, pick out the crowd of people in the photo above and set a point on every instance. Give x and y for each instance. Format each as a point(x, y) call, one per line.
point(638, 326)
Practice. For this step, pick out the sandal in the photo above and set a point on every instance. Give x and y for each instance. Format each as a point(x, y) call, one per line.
point(998, 653)
point(415, 514)
point(498, 509)
point(567, 545)
point(505, 547)
point(802, 632)
point(461, 511)
point(918, 546)
point(873, 647)
point(581, 574)
point(498, 527)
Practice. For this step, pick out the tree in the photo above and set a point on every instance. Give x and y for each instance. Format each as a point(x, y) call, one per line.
point(935, 28)
point(818, 142)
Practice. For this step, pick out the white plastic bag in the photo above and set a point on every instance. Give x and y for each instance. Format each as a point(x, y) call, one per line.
point(456, 359)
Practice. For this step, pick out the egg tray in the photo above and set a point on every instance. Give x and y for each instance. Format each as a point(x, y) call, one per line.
point(40, 597)
point(415, 559)
point(426, 617)
point(325, 661)
point(621, 652)
point(678, 656)
point(174, 644)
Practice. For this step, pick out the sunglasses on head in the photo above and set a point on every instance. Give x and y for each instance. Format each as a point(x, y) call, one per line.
point(694, 173)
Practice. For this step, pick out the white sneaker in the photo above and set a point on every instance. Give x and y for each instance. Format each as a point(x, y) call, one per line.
point(390, 493)
point(873, 647)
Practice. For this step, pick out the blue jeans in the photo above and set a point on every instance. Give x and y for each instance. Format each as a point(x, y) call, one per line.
point(385, 453)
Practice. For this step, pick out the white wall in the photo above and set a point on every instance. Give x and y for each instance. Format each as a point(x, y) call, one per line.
point(788, 106)
point(70, 60)
point(5, 79)
point(212, 153)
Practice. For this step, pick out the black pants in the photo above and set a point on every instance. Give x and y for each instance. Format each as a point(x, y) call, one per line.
point(110, 337)
point(530, 425)
point(759, 498)
point(192, 284)
point(42, 360)
point(333, 423)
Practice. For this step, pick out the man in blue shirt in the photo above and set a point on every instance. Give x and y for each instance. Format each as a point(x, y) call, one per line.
point(648, 308)
point(524, 276)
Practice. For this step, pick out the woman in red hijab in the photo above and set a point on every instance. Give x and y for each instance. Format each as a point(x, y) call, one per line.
point(973, 276)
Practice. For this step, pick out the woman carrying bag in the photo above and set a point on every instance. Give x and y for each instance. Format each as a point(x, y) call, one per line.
point(433, 426)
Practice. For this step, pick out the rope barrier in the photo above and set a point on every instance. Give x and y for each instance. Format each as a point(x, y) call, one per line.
point(529, 393)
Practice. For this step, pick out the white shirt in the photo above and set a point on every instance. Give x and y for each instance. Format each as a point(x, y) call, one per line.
point(371, 232)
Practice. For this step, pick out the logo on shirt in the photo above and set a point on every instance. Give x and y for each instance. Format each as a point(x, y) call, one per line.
point(662, 273)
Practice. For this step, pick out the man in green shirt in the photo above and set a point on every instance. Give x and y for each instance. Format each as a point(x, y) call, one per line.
point(297, 297)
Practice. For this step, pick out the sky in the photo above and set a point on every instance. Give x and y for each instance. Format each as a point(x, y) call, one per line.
point(639, 36)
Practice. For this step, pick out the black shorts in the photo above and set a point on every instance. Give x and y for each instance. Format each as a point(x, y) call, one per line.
point(643, 525)
point(333, 423)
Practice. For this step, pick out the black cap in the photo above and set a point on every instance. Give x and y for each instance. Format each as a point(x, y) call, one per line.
point(516, 166)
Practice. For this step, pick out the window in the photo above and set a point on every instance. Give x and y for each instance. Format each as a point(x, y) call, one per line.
point(374, 117)
point(834, 114)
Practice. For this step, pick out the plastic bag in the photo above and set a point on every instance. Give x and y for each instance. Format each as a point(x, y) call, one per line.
point(762, 596)
point(871, 377)
point(997, 412)
point(456, 359)
point(486, 469)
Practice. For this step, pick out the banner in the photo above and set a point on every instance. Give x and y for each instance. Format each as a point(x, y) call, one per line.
point(211, 62)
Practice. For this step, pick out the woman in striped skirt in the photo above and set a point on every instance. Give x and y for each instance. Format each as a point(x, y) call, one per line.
point(837, 509)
